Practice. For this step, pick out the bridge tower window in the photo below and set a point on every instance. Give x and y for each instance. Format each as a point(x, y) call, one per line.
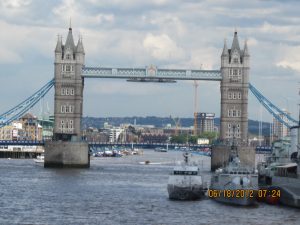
point(62, 110)
point(71, 124)
point(62, 124)
point(69, 68)
point(233, 113)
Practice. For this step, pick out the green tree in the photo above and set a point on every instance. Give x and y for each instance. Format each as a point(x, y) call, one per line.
point(211, 136)
point(179, 139)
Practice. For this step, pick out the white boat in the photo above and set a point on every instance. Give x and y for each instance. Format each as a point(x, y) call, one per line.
point(185, 183)
point(40, 159)
point(160, 149)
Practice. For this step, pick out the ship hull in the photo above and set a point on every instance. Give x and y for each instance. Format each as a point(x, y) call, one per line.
point(185, 193)
point(289, 198)
point(289, 190)
point(242, 201)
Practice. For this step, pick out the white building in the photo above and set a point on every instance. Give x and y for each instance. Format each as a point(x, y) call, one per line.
point(279, 129)
point(114, 134)
point(205, 122)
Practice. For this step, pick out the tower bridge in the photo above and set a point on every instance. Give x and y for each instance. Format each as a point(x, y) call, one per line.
point(70, 70)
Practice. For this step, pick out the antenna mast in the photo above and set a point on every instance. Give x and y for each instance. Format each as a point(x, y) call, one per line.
point(196, 84)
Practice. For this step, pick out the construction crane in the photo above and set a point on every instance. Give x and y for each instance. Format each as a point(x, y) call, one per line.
point(195, 107)
point(177, 124)
point(196, 84)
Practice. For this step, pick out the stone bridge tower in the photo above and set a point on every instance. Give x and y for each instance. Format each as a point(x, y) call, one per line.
point(69, 60)
point(67, 149)
point(234, 92)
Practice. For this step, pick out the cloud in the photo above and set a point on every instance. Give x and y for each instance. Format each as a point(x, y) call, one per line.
point(75, 11)
point(15, 4)
point(167, 33)
point(9, 57)
point(162, 47)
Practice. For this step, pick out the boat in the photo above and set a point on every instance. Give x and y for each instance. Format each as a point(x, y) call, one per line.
point(160, 149)
point(280, 173)
point(40, 159)
point(235, 183)
point(185, 183)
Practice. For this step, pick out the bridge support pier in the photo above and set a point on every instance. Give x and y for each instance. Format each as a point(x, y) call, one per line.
point(66, 154)
point(220, 156)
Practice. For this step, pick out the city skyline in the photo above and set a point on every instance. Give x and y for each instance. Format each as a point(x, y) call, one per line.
point(166, 33)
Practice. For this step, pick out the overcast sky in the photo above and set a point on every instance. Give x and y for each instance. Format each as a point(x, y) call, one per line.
point(168, 33)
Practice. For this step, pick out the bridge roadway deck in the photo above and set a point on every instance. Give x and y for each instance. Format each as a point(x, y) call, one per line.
point(151, 73)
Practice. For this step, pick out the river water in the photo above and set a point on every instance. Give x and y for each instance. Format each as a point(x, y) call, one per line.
point(117, 191)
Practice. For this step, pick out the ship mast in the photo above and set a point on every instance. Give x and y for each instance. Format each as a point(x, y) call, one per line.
point(233, 150)
point(298, 143)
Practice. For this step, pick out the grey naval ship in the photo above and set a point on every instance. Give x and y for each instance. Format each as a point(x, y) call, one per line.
point(281, 170)
point(185, 183)
point(234, 184)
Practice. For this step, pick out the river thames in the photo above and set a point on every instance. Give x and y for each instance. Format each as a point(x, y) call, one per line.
point(117, 191)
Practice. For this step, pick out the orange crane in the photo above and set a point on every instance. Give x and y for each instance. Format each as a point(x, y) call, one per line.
point(195, 107)
point(177, 124)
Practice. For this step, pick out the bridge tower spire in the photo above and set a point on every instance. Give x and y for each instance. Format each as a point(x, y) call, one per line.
point(234, 92)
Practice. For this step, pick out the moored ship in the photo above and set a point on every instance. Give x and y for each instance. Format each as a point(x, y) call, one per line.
point(185, 183)
point(235, 183)
point(281, 171)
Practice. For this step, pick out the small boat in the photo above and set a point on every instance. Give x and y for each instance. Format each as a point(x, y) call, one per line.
point(40, 159)
point(160, 149)
point(147, 162)
point(185, 183)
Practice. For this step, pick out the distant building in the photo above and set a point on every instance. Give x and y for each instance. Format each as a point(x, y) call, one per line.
point(11, 132)
point(154, 138)
point(280, 130)
point(178, 131)
point(94, 135)
point(6, 133)
point(28, 127)
point(114, 134)
point(204, 122)
point(32, 130)
point(47, 125)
